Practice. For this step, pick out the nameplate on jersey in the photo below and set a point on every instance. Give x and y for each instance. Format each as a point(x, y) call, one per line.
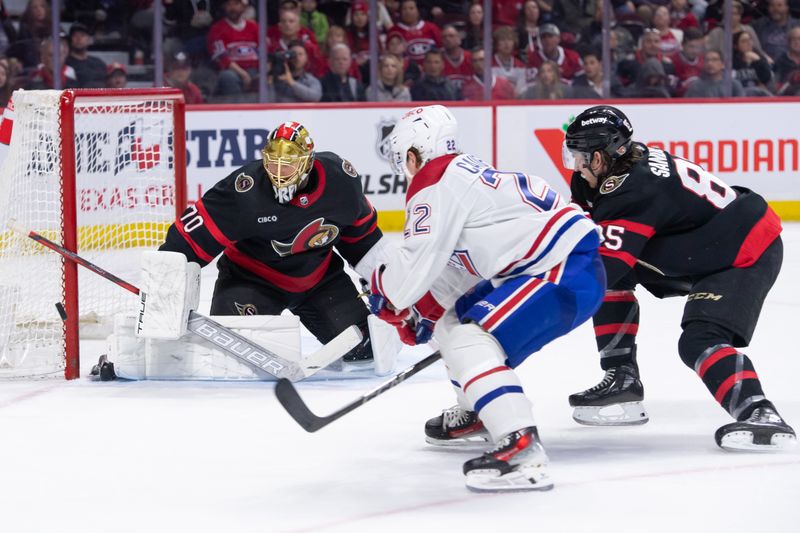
point(612, 183)
point(316, 234)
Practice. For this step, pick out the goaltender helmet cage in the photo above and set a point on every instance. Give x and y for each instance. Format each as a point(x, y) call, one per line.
point(600, 128)
point(288, 157)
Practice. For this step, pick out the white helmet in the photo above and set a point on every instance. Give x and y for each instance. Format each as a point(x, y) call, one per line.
point(430, 130)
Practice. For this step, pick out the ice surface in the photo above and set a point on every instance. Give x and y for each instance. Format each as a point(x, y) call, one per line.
point(224, 457)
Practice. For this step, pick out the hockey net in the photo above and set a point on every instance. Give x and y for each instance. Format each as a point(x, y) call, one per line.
point(103, 173)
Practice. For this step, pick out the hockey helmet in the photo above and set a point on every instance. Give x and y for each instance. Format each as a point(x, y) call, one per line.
point(288, 157)
point(431, 131)
point(601, 128)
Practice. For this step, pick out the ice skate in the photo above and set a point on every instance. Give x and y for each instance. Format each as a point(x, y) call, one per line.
point(517, 463)
point(762, 430)
point(456, 426)
point(615, 401)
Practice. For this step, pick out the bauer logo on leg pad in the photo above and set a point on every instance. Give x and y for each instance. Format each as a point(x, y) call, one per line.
point(228, 342)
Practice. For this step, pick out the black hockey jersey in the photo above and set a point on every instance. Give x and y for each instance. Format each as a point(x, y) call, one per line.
point(672, 216)
point(288, 245)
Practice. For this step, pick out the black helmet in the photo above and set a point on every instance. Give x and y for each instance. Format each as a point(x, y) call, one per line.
point(600, 128)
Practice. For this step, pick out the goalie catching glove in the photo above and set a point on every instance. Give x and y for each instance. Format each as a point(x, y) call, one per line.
point(170, 289)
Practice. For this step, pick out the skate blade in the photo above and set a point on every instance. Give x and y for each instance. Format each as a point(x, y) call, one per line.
point(618, 414)
point(742, 441)
point(472, 440)
point(517, 481)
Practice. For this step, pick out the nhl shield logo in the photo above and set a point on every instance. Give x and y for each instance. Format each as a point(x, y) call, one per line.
point(385, 127)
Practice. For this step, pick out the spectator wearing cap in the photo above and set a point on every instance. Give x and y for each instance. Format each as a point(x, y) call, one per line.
point(457, 61)
point(43, 77)
point(338, 85)
point(117, 76)
point(550, 49)
point(91, 70)
point(178, 72)
point(433, 86)
point(772, 30)
point(294, 84)
point(711, 83)
point(419, 35)
point(788, 64)
point(233, 46)
point(473, 88)
point(505, 63)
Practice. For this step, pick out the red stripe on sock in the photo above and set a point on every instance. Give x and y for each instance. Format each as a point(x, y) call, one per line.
point(483, 375)
point(713, 358)
point(731, 381)
point(609, 329)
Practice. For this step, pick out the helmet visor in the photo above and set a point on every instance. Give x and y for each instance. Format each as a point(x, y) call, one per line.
point(572, 158)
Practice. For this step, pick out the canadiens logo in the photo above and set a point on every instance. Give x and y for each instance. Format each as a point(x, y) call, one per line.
point(348, 168)
point(246, 309)
point(612, 183)
point(243, 183)
point(315, 235)
point(385, 127)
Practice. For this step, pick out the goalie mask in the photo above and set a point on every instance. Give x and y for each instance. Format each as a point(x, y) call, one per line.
point(430, 131)
point(288, 157)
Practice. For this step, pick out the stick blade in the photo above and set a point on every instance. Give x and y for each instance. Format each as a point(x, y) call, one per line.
point(290, 399)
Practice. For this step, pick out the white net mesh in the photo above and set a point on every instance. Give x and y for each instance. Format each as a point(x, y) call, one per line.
point(125, 199)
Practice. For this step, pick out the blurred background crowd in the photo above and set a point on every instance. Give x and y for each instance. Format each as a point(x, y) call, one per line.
point(319, 50)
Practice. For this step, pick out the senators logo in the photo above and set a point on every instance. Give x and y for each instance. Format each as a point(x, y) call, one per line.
point(316, 234)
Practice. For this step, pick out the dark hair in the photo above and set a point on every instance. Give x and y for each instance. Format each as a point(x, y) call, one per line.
point(691, 34)
point(434, 52)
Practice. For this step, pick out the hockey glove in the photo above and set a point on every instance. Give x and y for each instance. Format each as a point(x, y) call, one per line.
point(380, 305)
point(427, 312)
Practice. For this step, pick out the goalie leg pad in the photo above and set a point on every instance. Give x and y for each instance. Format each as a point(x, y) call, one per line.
point(476, 363)
point(170, 289)
point(386, 344)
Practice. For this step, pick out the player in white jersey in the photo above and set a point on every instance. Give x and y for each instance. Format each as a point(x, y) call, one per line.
point(507, 265)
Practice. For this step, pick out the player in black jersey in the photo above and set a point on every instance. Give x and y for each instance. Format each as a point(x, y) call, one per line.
point(276, 222)
point(675, 229)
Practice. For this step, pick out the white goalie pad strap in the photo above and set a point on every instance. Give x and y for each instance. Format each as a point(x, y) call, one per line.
point(191, 358)
point(374, 258)
point(386, 344)
point(170, 288)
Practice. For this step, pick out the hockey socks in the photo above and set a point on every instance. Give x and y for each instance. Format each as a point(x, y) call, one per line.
point(615, 326)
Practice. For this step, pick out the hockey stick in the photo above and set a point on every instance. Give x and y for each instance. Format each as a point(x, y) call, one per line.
point(291, 401)
point(261, 360)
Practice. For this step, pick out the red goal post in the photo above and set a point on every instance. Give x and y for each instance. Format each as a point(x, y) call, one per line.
point(104, 173)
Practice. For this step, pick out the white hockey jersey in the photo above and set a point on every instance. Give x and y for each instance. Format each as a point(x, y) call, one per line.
point(466, 221)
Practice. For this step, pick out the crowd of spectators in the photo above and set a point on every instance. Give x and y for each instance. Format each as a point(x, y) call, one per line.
point(319, 50)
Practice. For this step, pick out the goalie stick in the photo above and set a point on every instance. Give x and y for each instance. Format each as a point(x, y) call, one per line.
point(261, 360)
point(290, 399)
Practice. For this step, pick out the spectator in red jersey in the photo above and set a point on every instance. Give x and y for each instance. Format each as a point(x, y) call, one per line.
point(688, 63)
point(788, 64)
point(528, 29)
point(548, 84)
point(396, 45)
point(473, 88)
point(681, 15)
point(43, 78)
point(178, 70)
point(568, 61)
point(390, 80)
point(671, 38)
point(419, 35)
point(233, 44)
point(505, 13)
point(505, 64)
point(358, 36)
point(433, 86)
point(338, 85)
point(649, 48)
point(473, 30)
point(715, 36)
point(457, 61)
point(288, 30)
